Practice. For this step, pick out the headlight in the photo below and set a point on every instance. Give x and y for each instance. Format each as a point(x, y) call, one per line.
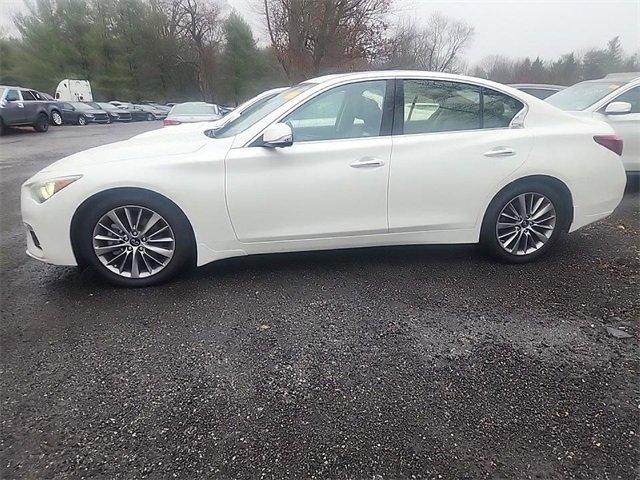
point(42, 191)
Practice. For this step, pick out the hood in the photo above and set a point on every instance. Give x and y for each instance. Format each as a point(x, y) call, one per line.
point(135, 149)
point(92, 111)
point(194, 128)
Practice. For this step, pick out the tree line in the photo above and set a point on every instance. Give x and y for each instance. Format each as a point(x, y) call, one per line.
point(176, 50)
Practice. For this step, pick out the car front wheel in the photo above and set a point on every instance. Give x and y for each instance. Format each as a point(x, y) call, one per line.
point(135, 240)
point(524, 221)
point(82, 120)
point(56, 118)
point(150, 117)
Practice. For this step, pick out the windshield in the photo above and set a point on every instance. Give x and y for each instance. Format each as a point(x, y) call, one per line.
point(2, 91)
point(258, 110)
point(582, 95)
point(193, 109)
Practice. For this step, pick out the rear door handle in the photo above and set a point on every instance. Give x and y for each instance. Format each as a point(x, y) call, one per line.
point(500, 152)
point(367, 162)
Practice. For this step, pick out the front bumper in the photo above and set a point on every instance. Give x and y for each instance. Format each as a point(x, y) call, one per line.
point(48, 228)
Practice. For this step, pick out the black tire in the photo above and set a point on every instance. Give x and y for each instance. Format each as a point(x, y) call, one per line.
point(489, 236)
point(82, 120)
point(56, 118)
point(184, 247)
point(150, 117)
point(42, 123)
point(2, 128)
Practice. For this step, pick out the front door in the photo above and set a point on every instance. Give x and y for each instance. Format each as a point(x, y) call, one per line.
point(627, 126)
point(332, 182)
point(13, 111)
point(451, 146)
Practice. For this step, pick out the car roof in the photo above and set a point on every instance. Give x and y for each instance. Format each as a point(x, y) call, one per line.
point(628, 76)
point(543, 86)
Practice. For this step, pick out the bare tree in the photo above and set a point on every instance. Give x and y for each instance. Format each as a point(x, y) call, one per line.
point(436, 46)
point(197, 24)
point(311, 36)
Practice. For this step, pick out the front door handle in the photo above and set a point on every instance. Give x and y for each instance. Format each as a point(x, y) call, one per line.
point(20, 105)
point(500, 152)
point(367, 162)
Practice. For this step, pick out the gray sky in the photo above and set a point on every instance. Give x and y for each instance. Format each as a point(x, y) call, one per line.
point(515, 28)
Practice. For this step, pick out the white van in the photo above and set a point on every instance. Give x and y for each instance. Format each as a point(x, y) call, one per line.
point(74, 91)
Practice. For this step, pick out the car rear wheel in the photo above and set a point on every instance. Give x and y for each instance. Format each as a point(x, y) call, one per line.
point(56, 118)
point(135, 240)
point(42, 123)
point(82, 120)
point(524, 221)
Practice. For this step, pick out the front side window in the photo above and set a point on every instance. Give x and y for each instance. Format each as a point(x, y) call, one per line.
point(12, 96)
point(347, 111)
point(633, 97)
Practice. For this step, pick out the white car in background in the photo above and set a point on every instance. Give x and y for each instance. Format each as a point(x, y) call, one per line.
point(614, 99)
point(192, 112)
point(338, 161)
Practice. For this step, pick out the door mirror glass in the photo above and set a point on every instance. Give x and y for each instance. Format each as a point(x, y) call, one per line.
point(618, 108)
point(277, 135)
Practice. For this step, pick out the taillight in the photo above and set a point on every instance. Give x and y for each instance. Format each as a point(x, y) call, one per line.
point(170, 122)
point(612, 142)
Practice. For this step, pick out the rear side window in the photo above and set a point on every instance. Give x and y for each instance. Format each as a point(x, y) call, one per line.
point(499, 109)
point(431, 106)
point(436, 106)
point(27, 95)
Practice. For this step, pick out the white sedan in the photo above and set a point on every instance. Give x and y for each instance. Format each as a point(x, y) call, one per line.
point(341, 161)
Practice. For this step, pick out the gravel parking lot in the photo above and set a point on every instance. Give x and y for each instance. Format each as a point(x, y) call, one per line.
point(407, 362)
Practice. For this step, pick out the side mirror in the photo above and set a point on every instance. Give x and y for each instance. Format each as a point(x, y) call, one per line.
point(618, 108)
point(277, 135)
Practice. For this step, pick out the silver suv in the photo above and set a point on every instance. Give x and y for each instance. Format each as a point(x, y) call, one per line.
point(22, 106)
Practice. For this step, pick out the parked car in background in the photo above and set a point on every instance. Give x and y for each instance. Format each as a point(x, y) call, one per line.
point(80, 113)
point(190, 112)
point(246, 108)
point(538, 90)
point(21, 107)
point(115, 114)
point(153, 113)
point(137, 113)
point(158, 106)
point(70, 90)
point(334, 162)
point(614, 99)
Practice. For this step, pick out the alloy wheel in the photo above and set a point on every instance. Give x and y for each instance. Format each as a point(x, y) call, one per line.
point(82, 120)
point(133, 241)
point(57, 119)
point(526, 223)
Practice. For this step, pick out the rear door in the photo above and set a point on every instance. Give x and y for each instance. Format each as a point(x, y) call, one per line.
point(31, 105)
point(451, 146)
